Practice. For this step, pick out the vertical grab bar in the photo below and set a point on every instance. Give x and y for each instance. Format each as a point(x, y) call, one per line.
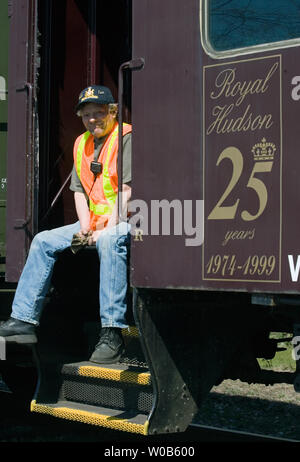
point(133, 65)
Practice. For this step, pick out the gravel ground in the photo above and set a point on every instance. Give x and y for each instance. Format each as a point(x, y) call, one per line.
point(272, 410)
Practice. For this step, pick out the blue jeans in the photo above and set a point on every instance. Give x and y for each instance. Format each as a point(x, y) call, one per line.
point(112, 247)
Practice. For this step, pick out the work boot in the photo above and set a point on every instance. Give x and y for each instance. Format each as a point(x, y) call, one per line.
point(18, 331)
point(110, 346)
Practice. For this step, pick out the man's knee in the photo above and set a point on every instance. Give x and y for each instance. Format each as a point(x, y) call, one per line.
point(104, 241)
point(111, 238)
point(40, 239)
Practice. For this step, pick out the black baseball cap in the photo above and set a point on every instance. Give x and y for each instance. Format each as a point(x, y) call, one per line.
point(95, 94)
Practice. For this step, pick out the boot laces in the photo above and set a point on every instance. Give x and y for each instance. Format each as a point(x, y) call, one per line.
point(108, 334)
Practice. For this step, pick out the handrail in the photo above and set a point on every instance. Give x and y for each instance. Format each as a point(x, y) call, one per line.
point(133, 65)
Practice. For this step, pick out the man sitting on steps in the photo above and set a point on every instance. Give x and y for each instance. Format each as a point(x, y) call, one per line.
point(95, 185)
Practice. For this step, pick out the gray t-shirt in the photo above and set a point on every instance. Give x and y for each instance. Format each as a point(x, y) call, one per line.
point(76, 185)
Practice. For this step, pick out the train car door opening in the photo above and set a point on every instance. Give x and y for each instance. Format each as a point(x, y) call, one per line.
point(57, 49)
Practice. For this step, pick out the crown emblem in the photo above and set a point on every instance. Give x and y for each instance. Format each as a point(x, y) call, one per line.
point(89, 93)
point(263, 150)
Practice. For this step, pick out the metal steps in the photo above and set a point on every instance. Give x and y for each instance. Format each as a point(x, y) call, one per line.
point(117, 396)
point(128, 421)
point(117, 387)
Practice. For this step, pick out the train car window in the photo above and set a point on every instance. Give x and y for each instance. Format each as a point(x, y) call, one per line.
point(243, 24)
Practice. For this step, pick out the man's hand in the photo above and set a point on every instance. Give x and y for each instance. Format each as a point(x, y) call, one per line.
point(94, 236)
point(85, 232)
point(80, 240)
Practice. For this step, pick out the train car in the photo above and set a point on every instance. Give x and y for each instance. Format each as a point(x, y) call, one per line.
point(212, 89)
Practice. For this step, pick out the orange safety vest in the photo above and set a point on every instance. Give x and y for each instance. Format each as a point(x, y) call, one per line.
point(102, 192)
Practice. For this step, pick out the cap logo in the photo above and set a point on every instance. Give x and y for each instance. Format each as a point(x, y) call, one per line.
point(95, 94)
point(89, 93)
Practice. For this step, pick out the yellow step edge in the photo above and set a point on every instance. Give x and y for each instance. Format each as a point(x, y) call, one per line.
point(139, 378)
point(91, 418)
point(130, 331)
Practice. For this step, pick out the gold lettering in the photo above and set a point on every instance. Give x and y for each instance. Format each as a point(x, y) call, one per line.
point(227, 85)
point(247, 121)
point(238, 234)
point(240, 121)
point(221, 112)
point(223, 80)
point(268, 78)
point(138, 235)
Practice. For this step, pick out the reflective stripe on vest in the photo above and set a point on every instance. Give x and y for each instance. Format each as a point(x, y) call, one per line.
point(100, 209)
point(109, 193)
point(80, 152)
